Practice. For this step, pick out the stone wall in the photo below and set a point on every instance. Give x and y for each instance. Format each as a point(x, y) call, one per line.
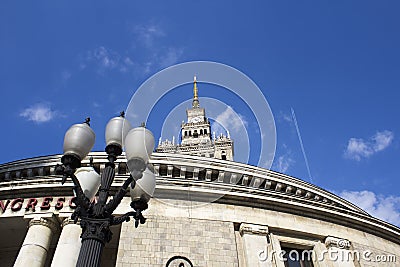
point(227, 235)
point(203, 242)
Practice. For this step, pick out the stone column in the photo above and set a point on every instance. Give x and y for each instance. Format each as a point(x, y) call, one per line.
point(256, 245)
point(276, 251)
point(36, 244)
point(339, 252)
point(321, 257)
point(68, 246)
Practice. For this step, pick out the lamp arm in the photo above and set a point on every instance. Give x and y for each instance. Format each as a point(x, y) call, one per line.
point(113, 203)
point(81, 199)
point(137, 215)
point(123, 218)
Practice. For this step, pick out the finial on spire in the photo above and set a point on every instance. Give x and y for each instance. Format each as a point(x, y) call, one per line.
point(196, 103)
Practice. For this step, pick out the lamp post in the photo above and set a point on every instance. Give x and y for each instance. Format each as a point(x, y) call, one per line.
point(97, 217)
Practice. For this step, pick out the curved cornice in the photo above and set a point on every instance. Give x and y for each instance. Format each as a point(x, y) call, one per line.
point(216, 170)
point(255, 177)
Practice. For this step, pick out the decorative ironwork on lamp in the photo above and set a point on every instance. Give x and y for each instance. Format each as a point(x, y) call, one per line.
point(97, 217)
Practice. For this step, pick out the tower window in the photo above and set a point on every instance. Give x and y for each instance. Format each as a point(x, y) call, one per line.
point(202, 174)
point(214, 175)
point(223, 155)
point(201, 131)
point(176, 172)
point(163, 170)
point(205, 131)
point(190, 133)
point(195, 134)
point(185, 133)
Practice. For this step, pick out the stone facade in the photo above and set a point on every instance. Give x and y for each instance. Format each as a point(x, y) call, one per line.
point(204, 213)
point(205, 243)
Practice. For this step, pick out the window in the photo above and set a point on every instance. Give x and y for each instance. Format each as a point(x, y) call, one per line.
point(294, 257)
point(185, 133)
point(205, 131)
point(163, 170)
point(195, 134)
point(223, 155)
point(176, 172)
point(188, 174)
point(201, 131)
point(202, 174)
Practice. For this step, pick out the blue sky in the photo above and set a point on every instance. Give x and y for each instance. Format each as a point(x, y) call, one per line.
point(336, 64)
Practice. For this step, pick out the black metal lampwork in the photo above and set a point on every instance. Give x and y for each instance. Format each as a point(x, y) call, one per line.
point(97, 217)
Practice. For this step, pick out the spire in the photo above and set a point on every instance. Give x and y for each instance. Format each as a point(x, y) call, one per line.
point(195, 103)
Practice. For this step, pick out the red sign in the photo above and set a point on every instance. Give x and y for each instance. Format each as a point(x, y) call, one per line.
point(32, 204)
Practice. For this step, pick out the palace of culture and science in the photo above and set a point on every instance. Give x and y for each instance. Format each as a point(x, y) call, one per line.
point(196, 135)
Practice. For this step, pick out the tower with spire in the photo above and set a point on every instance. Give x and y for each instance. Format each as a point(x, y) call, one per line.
point(196, 135)
point(195, 103)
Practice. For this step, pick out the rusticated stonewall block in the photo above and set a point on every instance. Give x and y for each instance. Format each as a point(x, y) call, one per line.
point(204, 243)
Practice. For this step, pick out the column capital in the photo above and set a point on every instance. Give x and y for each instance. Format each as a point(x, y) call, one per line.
point(48, 222)
point(337, 242)
point(255, 229)
point(37, 241)
point(67, 221)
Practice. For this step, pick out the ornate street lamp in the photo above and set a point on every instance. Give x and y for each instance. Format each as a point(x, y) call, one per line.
point(97, 217)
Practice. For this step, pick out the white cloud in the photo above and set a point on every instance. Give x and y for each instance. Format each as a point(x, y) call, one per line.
point(229, 120)
point(96, 104)
point(386, 208)
point(382, 140)
point(107, 59)
point(65, 75)
point(146, 34)
point(285, 117)
point(38, 113)
point(128, 61)
point(171, 57)
point(149, 53)
point(283, 163)
point(155, 53)
point(147, 67)
point(358, 148)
